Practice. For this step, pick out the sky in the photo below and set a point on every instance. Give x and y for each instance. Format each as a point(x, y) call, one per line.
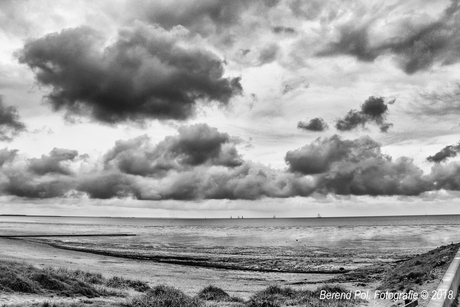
point(218, 108)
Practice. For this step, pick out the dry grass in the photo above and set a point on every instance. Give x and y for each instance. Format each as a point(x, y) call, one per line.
point(165, 296)
point(275, 296)
point(23, 278)
point(18, 277)
point(416, 271)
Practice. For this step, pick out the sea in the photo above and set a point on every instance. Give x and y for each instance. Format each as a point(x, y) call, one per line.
point(302, 244)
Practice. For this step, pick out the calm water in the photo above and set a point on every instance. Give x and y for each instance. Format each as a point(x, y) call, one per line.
point(342, 232)
point(282, 244)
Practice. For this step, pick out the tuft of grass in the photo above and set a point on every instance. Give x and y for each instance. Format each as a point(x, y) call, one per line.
point(165, 296)
point(92, 278)
point(275, 296)
point(272, 296)
point(211, 293)
point(123, 283)
point(278, 291)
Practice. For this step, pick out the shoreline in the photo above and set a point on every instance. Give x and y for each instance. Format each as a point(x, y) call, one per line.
point(189, 261)
point(189, 279)
point(239, 283)
point(227, 218)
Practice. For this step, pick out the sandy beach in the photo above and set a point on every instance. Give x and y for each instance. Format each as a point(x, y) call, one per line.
point(187, 278)
point(242, 257)
point(191, 279)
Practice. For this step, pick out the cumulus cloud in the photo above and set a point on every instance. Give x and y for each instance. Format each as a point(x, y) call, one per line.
point(105, 185)
point(198, 163)
point(315, 124)
point(373, 110)
point(247, 181)
point(7, 156)
point(146, 73)
point(195, 145)
point(176, 169)
point(10, 124)
point(318, 156)
point(447, 152)
point(417, 45)
point(55, 162)
point(357, 167)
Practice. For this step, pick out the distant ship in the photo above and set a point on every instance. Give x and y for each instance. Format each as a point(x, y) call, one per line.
point(319, 216)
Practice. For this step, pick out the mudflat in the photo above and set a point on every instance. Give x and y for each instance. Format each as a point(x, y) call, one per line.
point(187, 278)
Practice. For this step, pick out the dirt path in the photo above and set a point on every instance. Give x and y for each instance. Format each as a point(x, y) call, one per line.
point(188, 279)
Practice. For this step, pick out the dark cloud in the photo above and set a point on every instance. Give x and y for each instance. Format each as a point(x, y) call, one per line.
point(353, 41)
point(385, 126)
point(315, 124)
point(373, 110)
point(283, 30)
point(178, 168)
point(201, 163)
point(268, 54)
point(417, 46)
point(10, 124)
point(352, 120)
point(447, 152)
point(446, 176)
point(318, 156)
point(195, 145)
point(247, 181)
point(23, 185)
point(145, 74)
point(7, 155)
point(357, 167)
point(55, 162)
point(105, 185)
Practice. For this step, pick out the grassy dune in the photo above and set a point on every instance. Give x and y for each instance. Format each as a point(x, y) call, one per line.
point(91, 289)
point(23, 278)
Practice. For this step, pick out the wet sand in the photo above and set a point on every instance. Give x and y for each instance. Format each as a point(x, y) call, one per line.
point(189, 279)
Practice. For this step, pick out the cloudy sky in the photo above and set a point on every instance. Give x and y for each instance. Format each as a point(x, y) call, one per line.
point(216, 108)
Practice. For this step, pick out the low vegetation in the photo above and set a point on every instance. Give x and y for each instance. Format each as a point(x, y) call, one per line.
point(86, 289)
point(23, 278)
point(91, 289)
point(272, 296)
point(216, 294)
point(165, 296)
point(412, 273)
point(275, 296)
